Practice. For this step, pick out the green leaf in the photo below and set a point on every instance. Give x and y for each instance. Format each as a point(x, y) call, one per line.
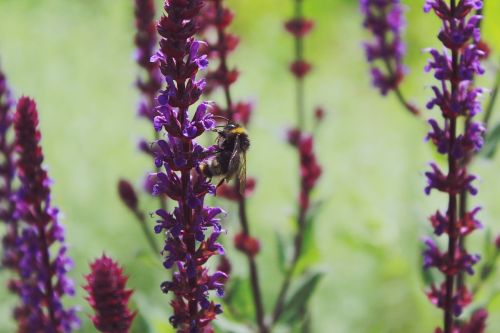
point(300, 296)
point(310, 252)
point(491, 142)
point(238, 299)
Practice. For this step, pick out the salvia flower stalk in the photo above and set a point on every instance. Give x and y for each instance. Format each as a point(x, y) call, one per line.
point(455, 68)
point(310, 172)
point(385, 20)
point(469, 158)
point(148, 83)
point(8, 214)
point(43, 264)
point(217, 17)
point(191, 228)
point(299, 139)
point(108, 296)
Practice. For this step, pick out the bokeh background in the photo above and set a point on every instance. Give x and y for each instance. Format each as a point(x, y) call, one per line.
point(76, 59)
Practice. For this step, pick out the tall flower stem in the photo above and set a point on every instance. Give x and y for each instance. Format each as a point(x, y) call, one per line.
point(385, 20)
point(148, 83)
point(308, 169)
point(452, 241)
point(452, 199)
point(299, 238)
point(252, 266)
point(44, 280)
point(141, 218)
point(191, 228)
point(242, 212)
point(219, 17)
point(456, 97)
point(400, 97)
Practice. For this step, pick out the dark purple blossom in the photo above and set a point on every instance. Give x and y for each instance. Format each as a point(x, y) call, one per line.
point(191, 228)
point(108, 296)
point(43, 264)
point(462, 261)
point(455, 96)
point(385, 20)
point(460, 300)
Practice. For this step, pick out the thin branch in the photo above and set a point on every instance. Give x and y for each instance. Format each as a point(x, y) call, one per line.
point(141, 218)
point(242, 213)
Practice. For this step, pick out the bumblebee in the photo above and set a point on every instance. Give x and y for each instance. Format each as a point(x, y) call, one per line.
point(230, 157)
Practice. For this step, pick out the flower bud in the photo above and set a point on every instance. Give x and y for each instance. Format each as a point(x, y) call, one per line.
point(108, 296)
point(127, 194)
point(247, 244)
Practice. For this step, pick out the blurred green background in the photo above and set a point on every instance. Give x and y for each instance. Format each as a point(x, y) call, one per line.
point(76, 59)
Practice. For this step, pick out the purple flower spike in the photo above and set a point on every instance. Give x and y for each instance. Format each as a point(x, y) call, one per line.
point(385, 20)
point(145, 41)
point(191, 228)
point(43, 264)
point(456, 98)
point(148, 83)
point(10, 256)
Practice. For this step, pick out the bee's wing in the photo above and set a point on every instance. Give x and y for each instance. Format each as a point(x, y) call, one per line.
point(242, 174)
point(234, 161)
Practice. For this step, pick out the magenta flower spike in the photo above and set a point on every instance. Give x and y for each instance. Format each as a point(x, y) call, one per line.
point(191, 228)
point(385, 20)
point(43, 262)
point(455, 68)
point(108, 296)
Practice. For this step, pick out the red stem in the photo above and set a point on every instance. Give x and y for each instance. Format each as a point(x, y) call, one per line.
point(302, 212)
point(243, 217)
point(452, 200)
point(299, 240)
